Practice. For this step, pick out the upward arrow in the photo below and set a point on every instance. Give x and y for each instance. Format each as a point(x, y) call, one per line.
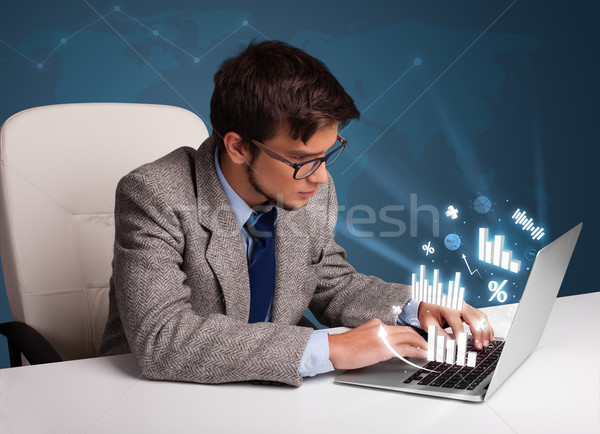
point(383, 335)
point(469, 268)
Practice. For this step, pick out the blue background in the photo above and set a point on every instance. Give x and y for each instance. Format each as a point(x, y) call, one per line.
point(458, 99)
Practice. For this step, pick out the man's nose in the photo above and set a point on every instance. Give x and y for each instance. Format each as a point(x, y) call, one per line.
point(319, 176)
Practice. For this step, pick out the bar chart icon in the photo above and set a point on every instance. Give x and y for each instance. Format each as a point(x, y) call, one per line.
point(443, 350)
point(433, 291)
point(520, 218)
point(493, 252)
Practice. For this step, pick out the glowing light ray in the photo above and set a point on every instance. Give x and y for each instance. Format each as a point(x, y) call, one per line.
point(428, 87)
point(382, 334)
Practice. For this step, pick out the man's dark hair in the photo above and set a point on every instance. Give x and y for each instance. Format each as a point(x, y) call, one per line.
point(271, 84)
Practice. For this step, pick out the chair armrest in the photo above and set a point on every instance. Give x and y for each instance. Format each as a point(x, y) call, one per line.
point(24, 339)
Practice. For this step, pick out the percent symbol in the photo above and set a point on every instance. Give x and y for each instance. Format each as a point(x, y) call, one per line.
point(428, 249)
point(498, 293)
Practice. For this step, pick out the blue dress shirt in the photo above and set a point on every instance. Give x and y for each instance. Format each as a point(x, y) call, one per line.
point(315, 359)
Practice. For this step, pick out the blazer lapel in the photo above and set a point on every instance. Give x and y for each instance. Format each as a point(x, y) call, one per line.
point(225, 251)
point(291, 250)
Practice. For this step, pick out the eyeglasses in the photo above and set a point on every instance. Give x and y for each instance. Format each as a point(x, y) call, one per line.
point(306, 168)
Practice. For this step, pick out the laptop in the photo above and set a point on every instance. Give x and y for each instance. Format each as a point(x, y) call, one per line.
point(498, 361)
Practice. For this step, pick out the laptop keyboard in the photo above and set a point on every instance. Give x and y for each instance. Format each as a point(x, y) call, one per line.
point(460, 377)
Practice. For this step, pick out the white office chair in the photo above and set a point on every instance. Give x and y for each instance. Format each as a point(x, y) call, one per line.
point(59, 167)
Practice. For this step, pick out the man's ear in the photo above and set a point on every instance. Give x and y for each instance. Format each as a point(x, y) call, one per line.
point(239, 153)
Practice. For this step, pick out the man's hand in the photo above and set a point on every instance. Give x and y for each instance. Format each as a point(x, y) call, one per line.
point(362, 346)
point(431, 314)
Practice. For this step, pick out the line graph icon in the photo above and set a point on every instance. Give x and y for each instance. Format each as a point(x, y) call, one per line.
point(152, 33)
point(469, 268)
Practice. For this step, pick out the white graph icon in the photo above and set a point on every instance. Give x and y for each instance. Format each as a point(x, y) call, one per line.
point(493, 252)
point(520, 218)
point(433, 292)
point(443, 350)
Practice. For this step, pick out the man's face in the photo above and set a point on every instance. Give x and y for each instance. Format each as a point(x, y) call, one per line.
point(275, 181)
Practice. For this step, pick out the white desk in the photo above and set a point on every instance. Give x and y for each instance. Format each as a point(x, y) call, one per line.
point(107, 394)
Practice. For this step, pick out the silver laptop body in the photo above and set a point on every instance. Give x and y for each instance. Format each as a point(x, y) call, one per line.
point(530, 319)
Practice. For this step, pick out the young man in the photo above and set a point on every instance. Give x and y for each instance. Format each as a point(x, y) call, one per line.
point(219, 251)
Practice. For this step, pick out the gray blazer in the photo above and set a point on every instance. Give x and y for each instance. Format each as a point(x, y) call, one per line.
point(180, 293)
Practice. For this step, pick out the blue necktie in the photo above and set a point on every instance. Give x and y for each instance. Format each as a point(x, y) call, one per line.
point(262, 268)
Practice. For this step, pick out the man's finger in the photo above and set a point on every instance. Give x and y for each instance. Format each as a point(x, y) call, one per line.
point(443, 332)
point(481, 332)
point(406, 335)
point(410, 351)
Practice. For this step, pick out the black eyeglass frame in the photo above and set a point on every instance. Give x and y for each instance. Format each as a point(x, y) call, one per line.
point(298, 166)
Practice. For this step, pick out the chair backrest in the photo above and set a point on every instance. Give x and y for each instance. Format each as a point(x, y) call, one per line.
point(59, 167)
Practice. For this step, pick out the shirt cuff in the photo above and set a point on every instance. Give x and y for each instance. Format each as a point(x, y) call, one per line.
point(315, 359)
point(410, 314)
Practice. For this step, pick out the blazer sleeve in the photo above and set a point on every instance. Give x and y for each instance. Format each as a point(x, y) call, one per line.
point(343, 296)
point(167, 337)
